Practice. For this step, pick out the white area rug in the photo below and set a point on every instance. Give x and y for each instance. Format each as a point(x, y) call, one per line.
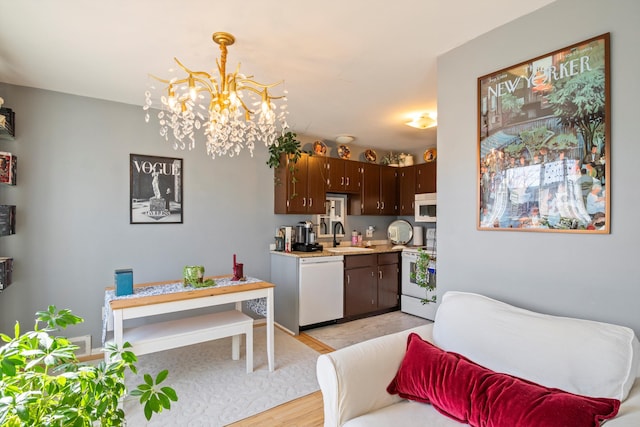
point(214, 390)
point(345, 334)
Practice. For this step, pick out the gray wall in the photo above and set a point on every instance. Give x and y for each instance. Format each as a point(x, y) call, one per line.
point(72, 203)
point(590, 276)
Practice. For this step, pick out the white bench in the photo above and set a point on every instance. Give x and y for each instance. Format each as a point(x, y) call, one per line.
point(193, 330)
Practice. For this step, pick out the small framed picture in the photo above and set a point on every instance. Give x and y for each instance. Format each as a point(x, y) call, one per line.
point(7, 168)
point(155, 189)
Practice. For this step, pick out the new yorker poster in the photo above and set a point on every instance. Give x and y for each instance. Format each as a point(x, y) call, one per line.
point(544, 143)
point(155, 189)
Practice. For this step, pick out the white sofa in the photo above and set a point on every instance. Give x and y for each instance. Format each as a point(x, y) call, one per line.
point(579, 356)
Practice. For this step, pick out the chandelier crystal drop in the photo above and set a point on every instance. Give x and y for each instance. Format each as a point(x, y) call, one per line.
point(233, 111)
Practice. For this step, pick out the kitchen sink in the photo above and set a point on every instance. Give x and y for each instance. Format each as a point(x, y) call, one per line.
point(348, 249)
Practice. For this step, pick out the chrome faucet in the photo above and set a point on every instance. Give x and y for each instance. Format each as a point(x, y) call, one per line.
point(335, 227)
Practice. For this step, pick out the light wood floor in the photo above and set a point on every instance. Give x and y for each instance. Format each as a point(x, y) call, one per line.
point(305, 411)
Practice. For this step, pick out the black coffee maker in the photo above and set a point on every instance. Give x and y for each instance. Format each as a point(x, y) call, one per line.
point(306, 238)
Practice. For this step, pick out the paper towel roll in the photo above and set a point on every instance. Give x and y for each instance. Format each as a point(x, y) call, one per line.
point(418, 236)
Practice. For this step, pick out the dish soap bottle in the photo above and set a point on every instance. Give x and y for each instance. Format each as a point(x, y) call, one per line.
point(354, 238)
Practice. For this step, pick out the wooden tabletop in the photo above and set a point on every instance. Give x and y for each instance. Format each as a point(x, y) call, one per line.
point(179, 296)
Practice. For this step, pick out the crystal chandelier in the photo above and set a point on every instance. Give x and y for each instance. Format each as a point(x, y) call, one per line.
point(233, 110)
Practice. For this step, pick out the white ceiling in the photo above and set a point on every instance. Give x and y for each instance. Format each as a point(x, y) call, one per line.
point(358, 67)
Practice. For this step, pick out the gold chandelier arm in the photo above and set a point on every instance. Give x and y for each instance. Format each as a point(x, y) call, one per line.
point(262, 93)
point(245, 108)
point(252, 89)
point(209, 84)
point(160, 80)
point(201, 76)
point(188, 71)
point(260, 85)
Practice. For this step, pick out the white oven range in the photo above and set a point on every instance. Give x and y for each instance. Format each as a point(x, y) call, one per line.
point(412, 294)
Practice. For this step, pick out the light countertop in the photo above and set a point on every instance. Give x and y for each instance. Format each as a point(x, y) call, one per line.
point(377, 249)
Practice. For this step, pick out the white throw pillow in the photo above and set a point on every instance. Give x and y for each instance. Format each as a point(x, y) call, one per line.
point(579, 356)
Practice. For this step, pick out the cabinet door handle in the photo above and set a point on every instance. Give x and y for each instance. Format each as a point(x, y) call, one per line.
point(348, 279)
point(378, 204)
point(382, 207)
point(304, 201)
point(347, 180)
point(379, 274)
point(342, 180)
point(310, 202)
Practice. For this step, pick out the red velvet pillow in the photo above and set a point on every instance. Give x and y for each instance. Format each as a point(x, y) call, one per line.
point(472, 394)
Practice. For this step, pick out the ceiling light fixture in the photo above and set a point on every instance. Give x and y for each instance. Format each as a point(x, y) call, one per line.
point(423, 121)
point(220, 105)
point(344, 139)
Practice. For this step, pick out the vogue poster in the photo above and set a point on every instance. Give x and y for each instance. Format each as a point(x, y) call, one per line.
point(155, 189)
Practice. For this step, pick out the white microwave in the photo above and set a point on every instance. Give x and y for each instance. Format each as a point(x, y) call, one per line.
point(425, 207)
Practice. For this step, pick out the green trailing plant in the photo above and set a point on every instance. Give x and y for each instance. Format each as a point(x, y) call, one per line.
point(287, 144)
point(42, 383)
point(421, 275)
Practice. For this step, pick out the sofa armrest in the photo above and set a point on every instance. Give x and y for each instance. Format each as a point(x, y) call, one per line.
point(354, 379)
point(629, 413)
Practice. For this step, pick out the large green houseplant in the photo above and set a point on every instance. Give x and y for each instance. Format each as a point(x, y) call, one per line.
point(42, 383)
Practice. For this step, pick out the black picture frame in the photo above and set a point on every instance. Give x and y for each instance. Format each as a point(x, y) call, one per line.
point(155, 189)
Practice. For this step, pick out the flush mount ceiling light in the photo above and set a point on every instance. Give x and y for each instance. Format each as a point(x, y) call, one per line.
point(344, 139)
point(233, 110)
point(423, 121)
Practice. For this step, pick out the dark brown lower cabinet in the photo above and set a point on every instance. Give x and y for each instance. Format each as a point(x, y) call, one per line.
point(371, 283)
point(387, 286)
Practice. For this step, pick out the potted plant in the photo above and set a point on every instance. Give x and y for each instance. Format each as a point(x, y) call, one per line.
point(42, 383)
point(421, 276)
point(390, 159)
point(286, 144)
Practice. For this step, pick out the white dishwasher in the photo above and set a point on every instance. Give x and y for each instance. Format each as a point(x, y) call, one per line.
point(321, 289)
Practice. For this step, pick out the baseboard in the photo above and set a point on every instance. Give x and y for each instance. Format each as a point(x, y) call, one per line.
point(84, 345)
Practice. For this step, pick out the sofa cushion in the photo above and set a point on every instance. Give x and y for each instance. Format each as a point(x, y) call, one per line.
point(579, 356)
point(405, 413)
point(472, 394)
